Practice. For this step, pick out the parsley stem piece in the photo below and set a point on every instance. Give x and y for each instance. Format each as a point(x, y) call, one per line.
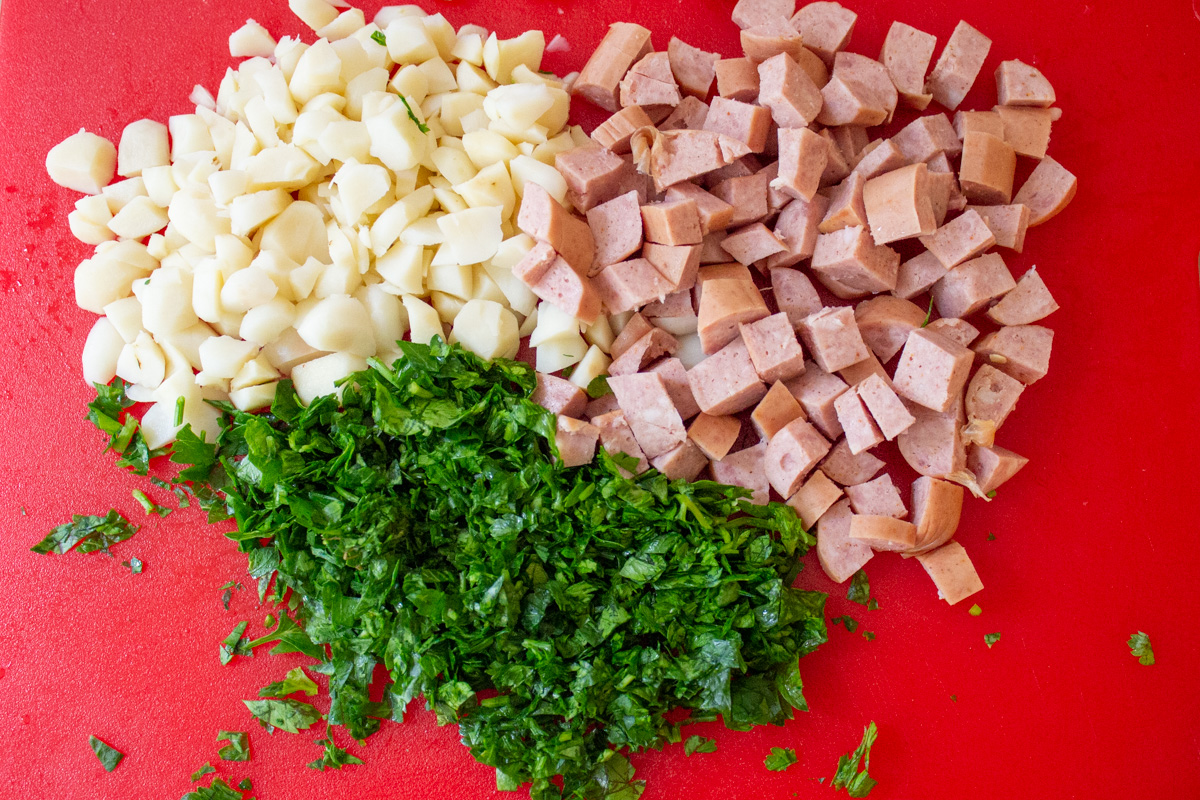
point(848, 776)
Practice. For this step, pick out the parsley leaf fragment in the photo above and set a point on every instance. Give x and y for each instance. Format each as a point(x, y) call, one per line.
point(334, 757)
point(379, 38)
point(780, 759)
point(290, 716)
point(860, 589)
point(292, 639)
point(421, 126)
point(134, 564)
point(91, 533)
point(598, 387)
point(991, 638)
point(698, 744)
point(234, 644)
point(109, 757)
point(295, 681)
point(857, 783)
point(207, 769)
point(148, 505)
point(928, 313)
point(850, 622)
point(869, 636)
point(975, 610)
point(227, 591)
point(238, 748)
point(218, 790)
point(1139, 646)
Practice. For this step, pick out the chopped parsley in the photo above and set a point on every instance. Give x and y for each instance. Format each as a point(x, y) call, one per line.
point(238, 748)
point(975, 610)
point(698, 744)
point(234, 644)
point(218, 790)
point(991, 494)
point(291, 716)
point(134, 564)
point(928, 314)
point(334, 757)
point(207, 769)
point(991, 639)
point(953, 698)
point(108, 413)
point(420, 125)
point(850, 622)
point(869, 636)
point(857, 783)
point(780, 759)
point(598, 387)
point(148, 505)
point(227, 591)
point(991, 537)
point(92, 534)
point(872, 604)
point(379, 38)
point(109, 757)
point(1139, 646)
point(295, 681)
point(860, 589)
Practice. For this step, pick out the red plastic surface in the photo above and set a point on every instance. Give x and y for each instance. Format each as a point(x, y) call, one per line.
point(1096, 539)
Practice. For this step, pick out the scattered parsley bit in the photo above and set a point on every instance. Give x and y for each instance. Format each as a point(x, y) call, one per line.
point(872, 604)
point(953, 698)
point(148, 505)
point(227, 591)
point(109, 756)
point(179, 403)
point(975, 610)
point(290, 716)
point(991, 537)
point(334, 757)
point(860, 589)
point(420, 125)
point(105, 412)
point(291, 638)
point(296, 681)
point(379, 38)
point(181, 493)
point(598, 387)
point(869, 636)
point(238, 748)
point(928, 314)
point(245, 785)
point(92, 534)
point(850, 622)
point(219, 790)
point(134, 564)
point(848, 776)
point(991, 494)
point(234, 644)
point(991, 639)
point(205, 770)
point(1139, 645)
point(698, 744)
point(780, 759)
point(24, 512)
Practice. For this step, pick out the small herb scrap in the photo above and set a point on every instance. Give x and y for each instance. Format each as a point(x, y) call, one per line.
point(928, 314)
point(106, 412)
point(245, 785)
point(598, 387)
point(872, 604)
point(850, 622)
point(179, 405)
point(290, 716)
point(991, 494)
point(420, 125)
point(91, 533)
point(860, 589)
point(869, 636)
point(780, 759)
point(134, 564)
point(953, 698)
point(379, 38)
point(109, 757)
point(295, 681)
point(334, 757)
point(227, 591)
point(238, 748)
point(207, 769)
point(975, 610)
point(991, 537)
point(857, 783)
point(698, 744)
point(218, 790)
point(148, 505)
point(991, 639)
point(234, 644)
point(1139, 646)
point(291, 638)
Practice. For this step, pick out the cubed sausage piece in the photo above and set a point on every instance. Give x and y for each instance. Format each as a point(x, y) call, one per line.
point(715, 213)
point(725, 270)
point(650, 82)
point(898, 204)
point(747, 195)
point(631, 180)
point(725, 382)
point(597, 408)
point(615, 131)
point(688, 115)
point(851, 139)
point(786, 89)
point(773, 347)
point(826, 28)
point(752, 243)
point(617, 437)
point(882, 157)
point(1022, 351)
point(796, 227)
point(617, 230)
point(859, 92)
point(675, 314)
point(674, 376)
point(882, 533)
point(971, 286)
point(918, 274)
point(737, 79)
point(567, 289)
point(535, 264)
point(837, 163)
point(886, 408)
point(544, 218)
point(711, 252)
point(932, 370)
point(1007, 224)
point(559, 395)
point(684, 463)
point(692, 67)
point(811, 63)
point(776, 197)
point(954, 328)
point(748, 13)
point(839, 555)
point(634, 329)
point(987, 169)
point(936, 507)
point(624, 44)
point(1027, 130)
point(861, 431)
point(816, 390)
point(652, 417)
point(593, 175)
point(740, 168)
point(814, 498)
point(1046, 191)
point(885, 323)
point(654, 344)
point(1019, 84)
point(939, 163)
point(958, 66)
point(877, 497)
point(671, 157)
point(802, 158)
point(724, 303)
point(906, 55)
point(576, 441)
point(745, 468)
point(791, 454)
point(944, 195)
point(769, 39)
point(715, 436)
point(794, 293)
point(926, 137)
point(933, 444)
point(846, 206)
point(1028, 302)
point(628, 285)
point(851, 265)
point(978, 122)
point(847, 469)
point(775, 411)
point(992, 395)
point(992, 466)
point(679, 264)
point(833, 338)
point(741, 121)
point(855, 374)
point(963, 238)
point(952, 572)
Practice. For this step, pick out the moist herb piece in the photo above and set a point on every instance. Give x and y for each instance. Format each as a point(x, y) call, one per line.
point(205, 770)
point(290, 716)
point(334, 757)
point(698, 744)
point(1139, 646)
point(245, 785)
point(420, 125)
point(238, 748)
point(869, 636)
point(109, 756)
point(975, 610)
point(598, 387)
point(296, 681)
point(991, 639)
point(991, 537)
point(292, 639)
point(134, 564)
point(780, 759)
point(218, 790)
point(181, 496)
point(92, 534)
point(953, 698)
point(148, 505)
point(860, 589)
point(227, 591)
point(991, 494)
point(379, 38)
point(928, 314)
point(850, 622)
point(234, 644)
point(872, 604)
point(857, 783)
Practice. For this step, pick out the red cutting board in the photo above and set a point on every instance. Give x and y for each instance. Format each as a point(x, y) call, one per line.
point(1096, 539)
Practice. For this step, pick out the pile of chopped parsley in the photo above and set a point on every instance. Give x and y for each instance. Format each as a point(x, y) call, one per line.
point(556, 615)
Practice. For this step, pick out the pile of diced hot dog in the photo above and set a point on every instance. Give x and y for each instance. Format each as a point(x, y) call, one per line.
point(707, 223)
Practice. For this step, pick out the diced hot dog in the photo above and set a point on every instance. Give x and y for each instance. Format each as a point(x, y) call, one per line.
point(650, 82)
point(958, 65)
point(692, 67)
point(839, 555)
point(802, 158)
point(851, 265)
point(688, 115)
point(684, 463)
point(535, 264)
point(933, 445)
point(674, 376)
point(833, 338)
point(725, 382)
point(771, 38)
point(855, 374)
point(796, 227)
point(883, 157)
point(906, 55)
point(679, 264)
point(846, 207)
point(635, 328)
point(614, 133)
point(1027, 130)
point(652, 417)
point(826, 28)
point(671, 157)
point(987, 169)
point(724, 303)
point(847, 469)
point(773, 348)
point(992, 466)
point(654, 344)
point(593, 175)
point(775, 411)
point(576, 441)
point(954, 328)
point(816, 390)
point(623, 45)
point(600, 406)
point(740, 121)
point(917, 274)
point(567, 289)
point(971, 286)
point(814, 498)
point(898, 204)
point(877, 497)
point(945, 195)
point(885, 322)
point(883, 533)
point(936, 509)
point(837, 164)
point(952, 572)
point(617, 230)
point(861, 431)
point(747, 194)
point(628, 285)
point(1047, 191)
point(886, 408)
point(794, 293)
point(963, 238)
point(752, 243)
point(992, 395)
point(715, 213)
point(715, 436)
point(737, 79)
point(1028, 302)
point(791, 454)
point(1022, 351)
point(672, 222)
point(748, 13)
point(1007, 224)
point(788, 91)
point(1019, 84)
point(559, 395)
point(978, 122)
point(544, 218)
point(932, 370)
point(926, 137)
point(745, 468)
point(859, 92)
